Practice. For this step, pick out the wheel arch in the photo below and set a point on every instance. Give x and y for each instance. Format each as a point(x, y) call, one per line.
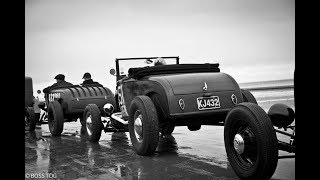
point(148, 88)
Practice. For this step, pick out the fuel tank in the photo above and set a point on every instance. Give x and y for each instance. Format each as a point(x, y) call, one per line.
point(200, 82)
point(200, 93)
point(74, 99)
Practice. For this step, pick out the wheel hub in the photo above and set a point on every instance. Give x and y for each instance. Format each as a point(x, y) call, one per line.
point(238, 143)
point(138, 128)
point(88, 125)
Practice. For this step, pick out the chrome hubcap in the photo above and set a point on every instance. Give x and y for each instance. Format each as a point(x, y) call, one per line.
point(88, 125)
point(238, 143)
point(138, 127)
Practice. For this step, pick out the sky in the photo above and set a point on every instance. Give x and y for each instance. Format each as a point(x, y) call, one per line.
point(252, 40)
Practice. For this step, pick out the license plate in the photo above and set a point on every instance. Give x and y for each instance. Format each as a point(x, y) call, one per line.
point(211, 102)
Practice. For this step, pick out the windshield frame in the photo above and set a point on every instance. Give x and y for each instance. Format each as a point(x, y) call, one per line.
point(119, 76)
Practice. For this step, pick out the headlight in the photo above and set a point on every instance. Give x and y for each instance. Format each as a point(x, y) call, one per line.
point(108, 108)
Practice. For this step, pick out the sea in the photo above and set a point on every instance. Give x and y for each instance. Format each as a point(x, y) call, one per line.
point(264, 85)
point(283, 84)
point(272, 91)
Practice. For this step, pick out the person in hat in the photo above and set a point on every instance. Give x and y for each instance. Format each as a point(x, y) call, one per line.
point(88, 81)
point(60, 83)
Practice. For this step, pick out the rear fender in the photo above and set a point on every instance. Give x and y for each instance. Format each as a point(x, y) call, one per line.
point(135, 88)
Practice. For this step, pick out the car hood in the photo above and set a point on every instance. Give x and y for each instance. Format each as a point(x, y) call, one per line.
point(189, 83)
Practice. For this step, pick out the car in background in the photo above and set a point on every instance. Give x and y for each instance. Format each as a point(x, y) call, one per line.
point(70, 103)
point(29, 115)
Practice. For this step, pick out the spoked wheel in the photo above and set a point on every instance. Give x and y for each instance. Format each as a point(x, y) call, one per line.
point(143, 125)
point(30, 119)
point(92, 122)
point(251, 142)
point(244, 139)
point(55, 118)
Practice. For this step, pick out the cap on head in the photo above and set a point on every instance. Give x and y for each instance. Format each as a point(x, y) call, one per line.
point(86, 75)
point(59, 76)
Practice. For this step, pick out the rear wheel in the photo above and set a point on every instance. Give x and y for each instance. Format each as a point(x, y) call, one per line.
point(143, 125)
point(55, 118)
point(251, 142)
point(165, 126)
point(92, 122)
point(30, 119)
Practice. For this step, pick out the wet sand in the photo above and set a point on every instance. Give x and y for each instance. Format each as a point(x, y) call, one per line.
point(184, 155)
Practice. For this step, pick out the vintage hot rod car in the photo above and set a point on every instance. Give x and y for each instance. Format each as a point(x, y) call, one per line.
point(150, 100)
point(67, 104)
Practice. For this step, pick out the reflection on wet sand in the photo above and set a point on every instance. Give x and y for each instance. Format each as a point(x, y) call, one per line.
point(72, 156)
point(37, 152)
point(185, 155)
point(141, 167)
point(167, 145)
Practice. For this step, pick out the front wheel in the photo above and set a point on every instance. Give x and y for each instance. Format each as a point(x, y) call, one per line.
point(143, 125)
point(55, 118)
point(251, 142)
point(92, 122)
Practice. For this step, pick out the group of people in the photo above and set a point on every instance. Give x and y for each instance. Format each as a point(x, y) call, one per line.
point(61, 82)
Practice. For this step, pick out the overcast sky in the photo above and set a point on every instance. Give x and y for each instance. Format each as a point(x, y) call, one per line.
point(253, 40)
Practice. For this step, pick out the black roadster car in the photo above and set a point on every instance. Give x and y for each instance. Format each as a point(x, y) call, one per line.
point(151, 100)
